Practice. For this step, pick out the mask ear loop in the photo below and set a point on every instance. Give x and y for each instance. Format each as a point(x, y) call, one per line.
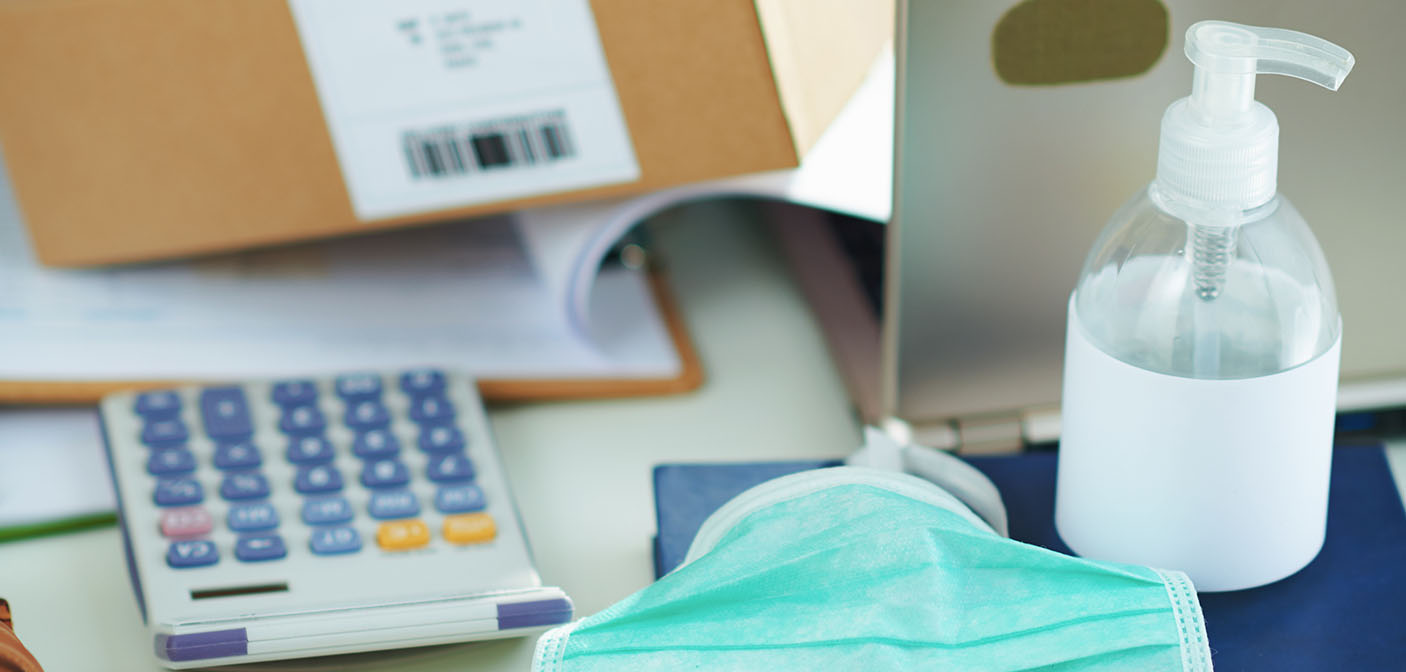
point(964, 481)
point(942, 469)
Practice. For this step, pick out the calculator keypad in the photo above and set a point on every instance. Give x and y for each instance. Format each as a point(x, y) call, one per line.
point(297, 441)
point(449, 468)
point(365, 415)
point(186, 522)
point(317, 479)
point(422, 382)
point(170, 462)
point(259, 547)
point(241, 455)
point(359, 387)
point(192, 553)
point(245, 485)
point(295, 393)
point(178, 492)
point(391, 504)
point(161, 405)
point(470, 528)
point(310, 450)
point(225, 413)
point(376, 443)
point(400, 535)
point(164, 433)
point(254, 517)
point(431, 410)
point(302, 420)
point(459, 499)
point(385, 474)
point(326, 511)
point(335, 540)
point(441, 439)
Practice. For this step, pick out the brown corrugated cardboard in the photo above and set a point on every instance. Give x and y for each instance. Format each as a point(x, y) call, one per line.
point(147, 129)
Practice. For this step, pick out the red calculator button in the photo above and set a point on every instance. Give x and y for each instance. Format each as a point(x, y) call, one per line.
point(191, 521)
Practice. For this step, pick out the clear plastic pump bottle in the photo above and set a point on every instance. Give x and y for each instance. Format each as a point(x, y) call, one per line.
point(1203, 341)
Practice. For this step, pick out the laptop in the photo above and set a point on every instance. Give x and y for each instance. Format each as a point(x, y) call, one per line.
point(1009, 161)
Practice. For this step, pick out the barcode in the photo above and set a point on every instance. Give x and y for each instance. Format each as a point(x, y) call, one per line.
point(450, 151)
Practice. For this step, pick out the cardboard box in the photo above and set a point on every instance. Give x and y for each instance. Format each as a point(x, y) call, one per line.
point(145, 129)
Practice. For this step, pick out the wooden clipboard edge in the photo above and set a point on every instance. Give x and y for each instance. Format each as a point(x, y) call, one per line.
point(493, 389)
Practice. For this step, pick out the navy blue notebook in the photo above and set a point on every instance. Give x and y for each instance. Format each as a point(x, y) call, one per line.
point(1345, 611)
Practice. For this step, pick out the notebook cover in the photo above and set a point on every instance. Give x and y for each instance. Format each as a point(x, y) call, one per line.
point(1344, 611)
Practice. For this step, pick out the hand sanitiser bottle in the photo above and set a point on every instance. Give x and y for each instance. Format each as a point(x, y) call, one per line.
point(1201, 361)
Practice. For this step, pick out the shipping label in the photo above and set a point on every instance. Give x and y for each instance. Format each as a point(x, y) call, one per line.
point(438, 104)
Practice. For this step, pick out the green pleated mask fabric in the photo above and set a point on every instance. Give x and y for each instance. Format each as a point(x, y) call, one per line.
point(860, 569)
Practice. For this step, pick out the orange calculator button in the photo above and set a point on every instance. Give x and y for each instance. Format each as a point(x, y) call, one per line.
point(400, 535)
point(470, 528)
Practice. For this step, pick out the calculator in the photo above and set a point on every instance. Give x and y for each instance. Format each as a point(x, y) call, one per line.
point(281, 519)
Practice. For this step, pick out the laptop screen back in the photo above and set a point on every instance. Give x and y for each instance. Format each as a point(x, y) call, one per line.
point(1018, 136)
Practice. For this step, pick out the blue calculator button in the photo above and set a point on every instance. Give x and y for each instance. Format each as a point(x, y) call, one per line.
point(317, 479)
point(389, 504)
point(450, 467)
point(294, 393)
point(310, 450)
point(240, 455)
point(376, 443)
point(192, 553)
point(431, 410)
point(253, 517)
point(258, 547)
point(385, 474)
point(161, 404)
point(246, 485)
point(441, 439)
point(459, 498)
point(326, 511)
point(170, 461)
point(164, 433)
point(225, 412)
point(367, 415)
point(359, 387)
point(178, 492)
point(298, 420)
point(334, 540)
point(421, 382)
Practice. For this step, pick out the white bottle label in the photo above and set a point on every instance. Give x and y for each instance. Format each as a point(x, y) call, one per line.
point(1226, 480)
point(435, 104)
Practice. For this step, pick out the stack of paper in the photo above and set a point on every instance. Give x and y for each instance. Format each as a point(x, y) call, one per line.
point(521, 300)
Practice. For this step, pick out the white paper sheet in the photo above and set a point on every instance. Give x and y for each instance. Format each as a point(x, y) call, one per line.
point(463, 295)
point(51, 466)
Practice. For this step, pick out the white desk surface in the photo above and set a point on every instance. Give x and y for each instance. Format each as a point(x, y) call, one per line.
point(581, 470)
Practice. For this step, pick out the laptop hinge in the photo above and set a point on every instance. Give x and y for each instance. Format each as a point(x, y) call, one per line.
point(990, 435)
point(986, 434)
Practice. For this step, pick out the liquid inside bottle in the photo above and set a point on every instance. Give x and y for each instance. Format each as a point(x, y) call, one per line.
point(1199, 391)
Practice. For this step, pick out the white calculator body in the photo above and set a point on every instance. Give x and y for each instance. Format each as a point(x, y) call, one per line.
point(282, 519)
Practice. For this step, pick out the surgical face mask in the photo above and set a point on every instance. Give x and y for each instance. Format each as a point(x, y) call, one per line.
point(858, 568)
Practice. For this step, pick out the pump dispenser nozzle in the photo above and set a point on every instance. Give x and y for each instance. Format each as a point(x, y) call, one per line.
point(1229, 55)
point(1220, 149)
point(1218, 158)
